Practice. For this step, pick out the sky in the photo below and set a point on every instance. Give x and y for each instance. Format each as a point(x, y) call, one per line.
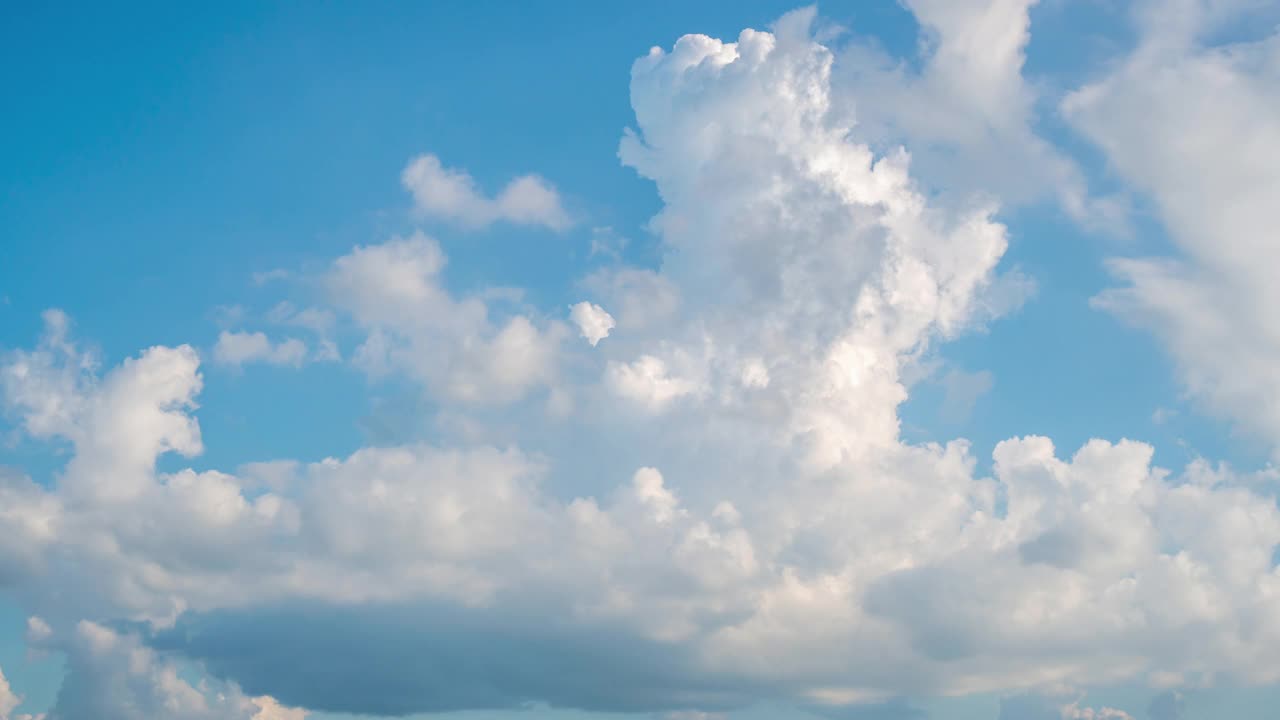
point(680, 361)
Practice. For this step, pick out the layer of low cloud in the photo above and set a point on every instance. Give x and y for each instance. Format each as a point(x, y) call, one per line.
point(1055, 706)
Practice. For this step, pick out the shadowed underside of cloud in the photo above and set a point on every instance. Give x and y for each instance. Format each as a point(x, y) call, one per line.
point(402, 659)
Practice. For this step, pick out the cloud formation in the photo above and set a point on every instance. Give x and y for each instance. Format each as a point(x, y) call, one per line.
point(748, 524)
point(967, 112)
point(450, 194)
point(593, 322)
point(1204, 165)
point(415, 326)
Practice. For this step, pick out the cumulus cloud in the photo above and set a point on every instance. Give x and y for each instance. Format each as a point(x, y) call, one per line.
point(593, 322)
point(647, 382)
point(416, 326)
point(237, 349)
point(759, 531)
point(1202, 164)
point(451, 194)
point(967, 113)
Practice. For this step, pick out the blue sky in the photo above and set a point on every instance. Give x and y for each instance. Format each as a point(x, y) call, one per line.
point(478, 359)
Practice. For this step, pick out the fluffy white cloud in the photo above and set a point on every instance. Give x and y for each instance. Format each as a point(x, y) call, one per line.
point(642, 299)
point(647, 382)
point(593, 321)
point(967, 113)
point(452, 195)
point(1206, 166)
point(815, 255)
point(762, 532)
point(415, 326)
point(240, 348)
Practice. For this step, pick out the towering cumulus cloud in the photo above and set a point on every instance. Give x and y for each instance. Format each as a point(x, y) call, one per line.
point(758, 529)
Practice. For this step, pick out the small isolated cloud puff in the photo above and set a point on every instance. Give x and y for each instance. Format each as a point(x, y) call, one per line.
point(593, 322)
point(647, 382)
point(237, 349)
point(451, 194)
point(968, 113)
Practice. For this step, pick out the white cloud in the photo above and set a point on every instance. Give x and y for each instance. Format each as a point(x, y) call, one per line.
point(44, 383)
point(593, 322)
point(762, 533)
point(38, 631)
point(452, 195)
point(450, 344)
point(241, 348)
point(642, 299)
point(1206, 167)
point(968, 114)
point(647, 382)
point(269, 709)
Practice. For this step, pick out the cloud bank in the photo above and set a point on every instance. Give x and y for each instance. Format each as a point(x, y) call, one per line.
point(763, 531)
